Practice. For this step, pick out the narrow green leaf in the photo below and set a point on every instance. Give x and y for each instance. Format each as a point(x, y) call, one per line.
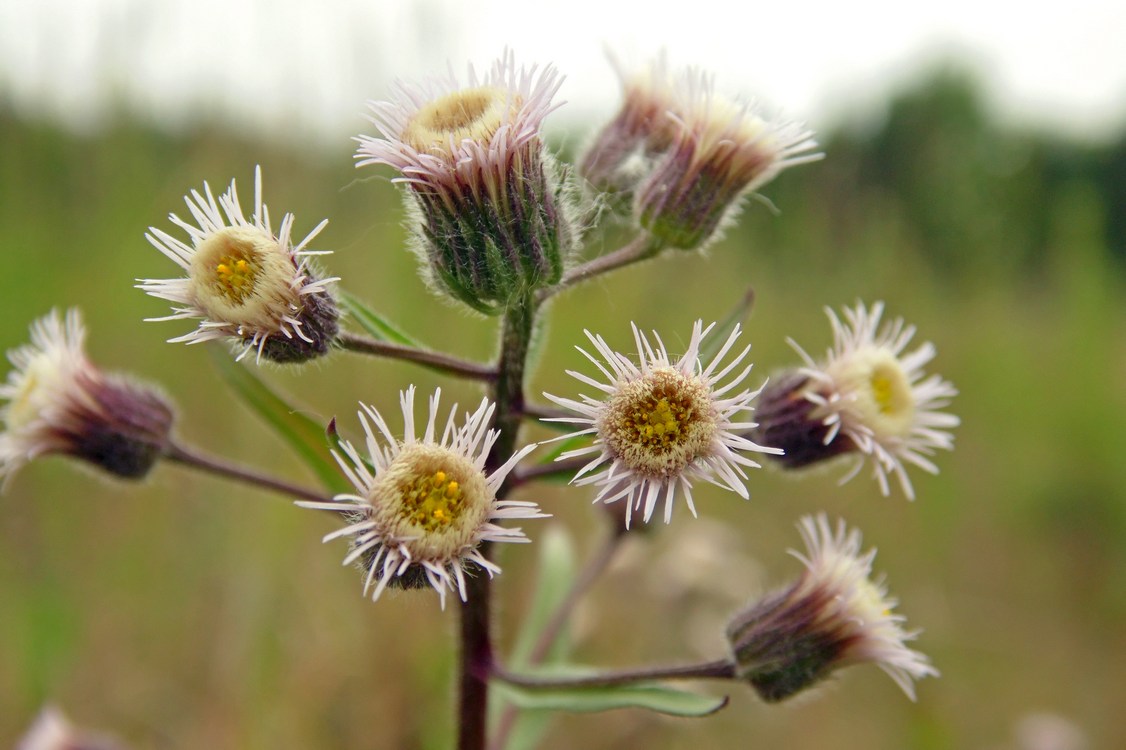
point(718, 337)
point(376, 325)
point(649, 696)
point(302, 434)
point(554, 579)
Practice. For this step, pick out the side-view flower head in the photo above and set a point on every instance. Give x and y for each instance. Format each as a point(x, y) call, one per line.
point(720, 151)
point(52, 731)
point(867, 396)
point(244, 282)
point(834, 616)
point(424, 504)
point(660, 424)
point(59, 402)
point(490, 213)
point(618, 154)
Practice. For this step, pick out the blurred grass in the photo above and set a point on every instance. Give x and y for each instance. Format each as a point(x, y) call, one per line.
point(185, 613)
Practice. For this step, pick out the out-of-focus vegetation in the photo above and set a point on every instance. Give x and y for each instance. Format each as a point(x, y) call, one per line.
point(185, 613)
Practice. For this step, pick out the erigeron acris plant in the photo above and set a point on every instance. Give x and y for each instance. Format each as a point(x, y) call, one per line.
point(497, 223)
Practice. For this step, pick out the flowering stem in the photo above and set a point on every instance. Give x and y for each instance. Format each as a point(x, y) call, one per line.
point(219, 467)
point(476, 660)
point(434, 360)
point(641, 247)
point(721, 669)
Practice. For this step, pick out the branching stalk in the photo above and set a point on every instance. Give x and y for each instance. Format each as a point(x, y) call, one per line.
point(219, 467)
point(433, 360)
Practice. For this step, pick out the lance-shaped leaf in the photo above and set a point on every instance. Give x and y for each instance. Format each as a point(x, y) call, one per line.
point(376, 326)
point(304, 435)
point(718, 335)
point(650, 696)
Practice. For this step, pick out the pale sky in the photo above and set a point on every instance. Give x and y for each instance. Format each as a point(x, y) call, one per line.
point(309, 67)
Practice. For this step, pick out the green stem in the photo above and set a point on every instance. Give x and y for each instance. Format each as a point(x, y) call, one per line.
point(437, 361)
point(476, 659)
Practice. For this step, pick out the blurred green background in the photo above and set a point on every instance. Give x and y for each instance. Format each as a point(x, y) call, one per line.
point(187, 613)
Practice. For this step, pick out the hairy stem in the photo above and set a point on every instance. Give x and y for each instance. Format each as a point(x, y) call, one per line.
point(476, 659)
point(437, 361)
point(219, 467)
point(641, 247)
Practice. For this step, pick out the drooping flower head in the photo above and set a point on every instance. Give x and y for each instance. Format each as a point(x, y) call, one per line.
point(660, 424)
point(869, 396)
point(244, 282)
point(721, 151)
point(52, 731)
point(424, 504)
point(619, 153)
point(59, 402)
point(834, 616)
point(490, 214)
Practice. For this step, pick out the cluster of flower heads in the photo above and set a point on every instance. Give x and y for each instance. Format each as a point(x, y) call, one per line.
point(494, 219)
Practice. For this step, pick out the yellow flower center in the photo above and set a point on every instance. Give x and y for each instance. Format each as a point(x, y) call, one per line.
point(242, 276)
point(43, 383)
point(234, 276)
point(435, 498)
point(470, 114)
point(432, 502)
point(877, 391)
point(658, 424)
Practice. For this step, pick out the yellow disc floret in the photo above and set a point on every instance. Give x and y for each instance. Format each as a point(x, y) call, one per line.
point(878, 391)
point(433, 496)
point(241, 275)
point(234, 276)
point(470, 114)
point(660, 423)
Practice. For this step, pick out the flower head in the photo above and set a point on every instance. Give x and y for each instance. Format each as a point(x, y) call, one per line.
point(424, 505)
point(868, 396)
point(490, 214)
point(618, 155)
point(834, 616)
point(59, 402)
point(721, 151)
point(244, 282)
point(662, 424)
point(52, 731)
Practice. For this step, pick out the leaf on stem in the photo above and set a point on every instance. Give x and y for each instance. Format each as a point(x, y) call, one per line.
point(304, 435)
point(650, 696)
point(372, 322)
point(555, 577)
point(719, 335)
